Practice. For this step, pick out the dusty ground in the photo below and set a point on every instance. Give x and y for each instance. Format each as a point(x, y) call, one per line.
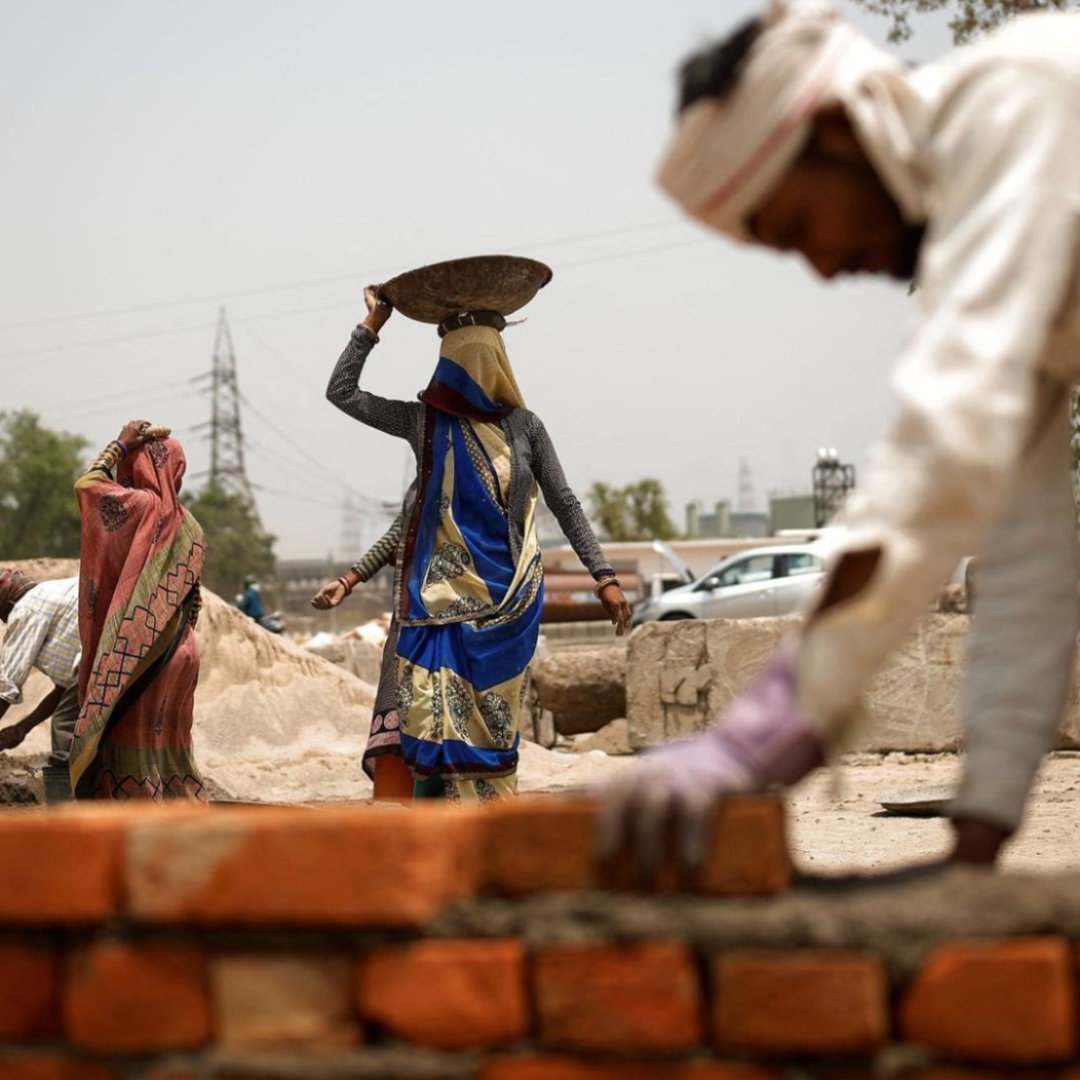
point(846, 830)
point(838, 825)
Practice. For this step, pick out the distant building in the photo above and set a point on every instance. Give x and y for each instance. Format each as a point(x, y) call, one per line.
point(750, 523)
point(791, 512)
point(702, 526)
point(724, 522)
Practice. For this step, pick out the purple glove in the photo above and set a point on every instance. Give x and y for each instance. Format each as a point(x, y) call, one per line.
point(762, 739)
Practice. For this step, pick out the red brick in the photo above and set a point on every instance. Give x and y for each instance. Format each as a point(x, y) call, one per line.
point(1007, 1001)
point(39, 1065)
point(552, 1068)
point(129, 998)
point(539, 844)
point(283, 1000)
point(69, 864)
point(618, 998)
point(805, 1002)
point(944, 1072)
point(294, 866)
point(29, 992)
point(447, 994)
point(749, 854)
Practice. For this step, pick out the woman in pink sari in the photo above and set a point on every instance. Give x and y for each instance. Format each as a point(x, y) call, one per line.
point(141, 559)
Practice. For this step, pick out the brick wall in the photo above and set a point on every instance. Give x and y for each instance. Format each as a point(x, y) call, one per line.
point(392, 945)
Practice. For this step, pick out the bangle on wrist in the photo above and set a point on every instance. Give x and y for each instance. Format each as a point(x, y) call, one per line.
point(122, 445)
point(603, 583)
point(346, 584)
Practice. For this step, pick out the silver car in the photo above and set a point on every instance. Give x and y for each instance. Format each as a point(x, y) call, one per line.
point(776, 580)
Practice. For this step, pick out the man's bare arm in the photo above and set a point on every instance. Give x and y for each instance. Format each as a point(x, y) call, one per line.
point(13, 735)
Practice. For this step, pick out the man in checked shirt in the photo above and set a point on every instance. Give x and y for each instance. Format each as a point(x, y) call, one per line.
point(42, 631)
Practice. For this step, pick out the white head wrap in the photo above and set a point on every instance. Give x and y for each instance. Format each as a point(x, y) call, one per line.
point(728, 155)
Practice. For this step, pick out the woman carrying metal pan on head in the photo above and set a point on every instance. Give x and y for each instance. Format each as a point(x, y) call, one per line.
point(470, 577)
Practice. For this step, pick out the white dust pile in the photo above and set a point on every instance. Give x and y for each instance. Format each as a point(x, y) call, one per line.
point(276, 723)
point(273, 722)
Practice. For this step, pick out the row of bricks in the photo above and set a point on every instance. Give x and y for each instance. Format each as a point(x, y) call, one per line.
point(1010, 1001)
point(51, 1066)
point(344, 867)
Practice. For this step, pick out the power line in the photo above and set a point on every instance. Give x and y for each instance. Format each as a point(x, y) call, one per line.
point(316, 309)
point(307, 455)
point(296, 471)
point(114, 395)
point(296, 497)
point(90, 343)
point(115, 406)
point(636, 252)
point(157, 305)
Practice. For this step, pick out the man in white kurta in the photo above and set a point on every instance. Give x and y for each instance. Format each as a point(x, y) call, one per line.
point(979, 156)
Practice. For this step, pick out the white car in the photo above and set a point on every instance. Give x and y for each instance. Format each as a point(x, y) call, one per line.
point(764, 581)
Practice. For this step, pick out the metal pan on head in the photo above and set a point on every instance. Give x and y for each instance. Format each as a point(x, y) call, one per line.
point(502, 283)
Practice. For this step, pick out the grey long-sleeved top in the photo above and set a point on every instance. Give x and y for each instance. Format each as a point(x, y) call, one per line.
point(533, 456)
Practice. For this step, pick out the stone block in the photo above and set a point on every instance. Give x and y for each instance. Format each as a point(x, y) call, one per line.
point(681, 676)
point(582, 688)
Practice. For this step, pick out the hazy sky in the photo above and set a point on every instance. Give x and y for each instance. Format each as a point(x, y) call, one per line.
point(162, 159)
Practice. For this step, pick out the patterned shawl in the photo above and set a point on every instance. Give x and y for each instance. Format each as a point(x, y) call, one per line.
point(142, 555)
point(458, 562)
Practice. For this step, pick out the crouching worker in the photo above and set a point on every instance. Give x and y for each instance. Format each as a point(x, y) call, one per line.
point(42, 631)
point(798, 134)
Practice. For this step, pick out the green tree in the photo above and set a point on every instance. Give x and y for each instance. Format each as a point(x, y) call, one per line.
point(39, 514)
point(969, 17)
point(237, 544)
point(608, 508)
point(638, 511)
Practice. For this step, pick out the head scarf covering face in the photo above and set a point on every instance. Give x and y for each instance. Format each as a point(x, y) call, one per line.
point(142, 555)
point(728, 155)
point(157, 467)
point(473, 377)
point(14, 585)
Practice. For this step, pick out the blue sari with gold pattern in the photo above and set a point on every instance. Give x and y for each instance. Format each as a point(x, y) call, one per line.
point(469, 606)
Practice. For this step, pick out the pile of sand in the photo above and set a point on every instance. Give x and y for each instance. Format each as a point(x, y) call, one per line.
point(273, 722)
point(276, 723)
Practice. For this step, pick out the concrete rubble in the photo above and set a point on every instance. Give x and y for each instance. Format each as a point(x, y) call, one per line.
point(682, 675)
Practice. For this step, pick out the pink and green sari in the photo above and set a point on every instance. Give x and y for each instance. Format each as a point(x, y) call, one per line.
point(142, 556)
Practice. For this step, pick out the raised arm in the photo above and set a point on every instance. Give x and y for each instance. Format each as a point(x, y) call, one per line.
point(399, 418)
point(564, 504)
point(102, 470)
